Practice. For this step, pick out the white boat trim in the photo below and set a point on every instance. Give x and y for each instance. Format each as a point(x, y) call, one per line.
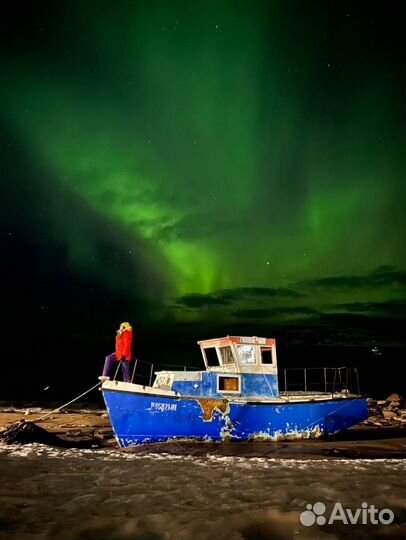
point(138, 388)
point(282, 399)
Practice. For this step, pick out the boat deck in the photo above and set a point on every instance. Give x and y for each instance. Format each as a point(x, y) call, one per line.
point(284, 397)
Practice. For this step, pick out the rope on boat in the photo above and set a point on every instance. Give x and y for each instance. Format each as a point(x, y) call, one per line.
point(334, 411)
point(69, 402)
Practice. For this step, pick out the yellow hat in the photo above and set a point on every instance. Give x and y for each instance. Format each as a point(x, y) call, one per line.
point(125, 326)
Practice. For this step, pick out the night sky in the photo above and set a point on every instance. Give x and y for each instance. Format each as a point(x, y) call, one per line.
point(201, 169)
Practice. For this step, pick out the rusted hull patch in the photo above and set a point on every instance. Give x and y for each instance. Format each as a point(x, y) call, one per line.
point(209, 406)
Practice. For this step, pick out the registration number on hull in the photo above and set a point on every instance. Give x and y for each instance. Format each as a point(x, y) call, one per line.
point(163, 407)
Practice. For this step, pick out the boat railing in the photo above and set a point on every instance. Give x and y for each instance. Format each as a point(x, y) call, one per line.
point(143, 372)
point(327, 380)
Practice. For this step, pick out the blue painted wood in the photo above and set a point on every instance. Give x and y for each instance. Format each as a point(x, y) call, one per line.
point(252, 384)
point(141, 418)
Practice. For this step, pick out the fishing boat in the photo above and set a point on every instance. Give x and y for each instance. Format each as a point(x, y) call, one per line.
point(236, 397)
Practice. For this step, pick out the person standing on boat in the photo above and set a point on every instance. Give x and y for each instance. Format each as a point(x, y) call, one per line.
point(121, 354)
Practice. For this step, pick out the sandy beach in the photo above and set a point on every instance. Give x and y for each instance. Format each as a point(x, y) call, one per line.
point(87, 427)
point(92, 429)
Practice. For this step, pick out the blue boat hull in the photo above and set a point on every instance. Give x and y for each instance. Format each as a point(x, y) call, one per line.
point(139, 418)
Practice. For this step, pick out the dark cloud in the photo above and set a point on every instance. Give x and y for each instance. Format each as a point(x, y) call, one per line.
point(380, 277)
point(274, 312)
point(393, 308)
point(227, 297)
point(242, 292)
point(202, 300)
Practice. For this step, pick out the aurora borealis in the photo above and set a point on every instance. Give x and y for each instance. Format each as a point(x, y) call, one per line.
point(205, 165)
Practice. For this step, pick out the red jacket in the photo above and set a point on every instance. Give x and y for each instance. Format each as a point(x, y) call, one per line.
point(123, 345)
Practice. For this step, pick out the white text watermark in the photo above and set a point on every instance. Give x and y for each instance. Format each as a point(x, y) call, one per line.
point(368, 514)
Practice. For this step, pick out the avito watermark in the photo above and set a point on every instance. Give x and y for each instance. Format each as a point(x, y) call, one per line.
point(368, 514)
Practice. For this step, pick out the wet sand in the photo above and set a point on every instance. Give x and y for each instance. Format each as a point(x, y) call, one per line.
point(92, 429)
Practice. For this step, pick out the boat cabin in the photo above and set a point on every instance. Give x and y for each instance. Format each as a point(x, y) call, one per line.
point(236, 366)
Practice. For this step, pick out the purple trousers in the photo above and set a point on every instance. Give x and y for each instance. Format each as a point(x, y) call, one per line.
point(125, 366)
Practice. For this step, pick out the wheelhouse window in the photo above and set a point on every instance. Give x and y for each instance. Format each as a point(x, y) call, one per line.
point(228, 384)
point(266, 355)
point(211, 357)
point(246, 354)
point(226, 355)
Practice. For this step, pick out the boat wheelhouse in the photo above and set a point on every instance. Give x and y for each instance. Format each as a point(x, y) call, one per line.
point(236, 397)
point(243, 367)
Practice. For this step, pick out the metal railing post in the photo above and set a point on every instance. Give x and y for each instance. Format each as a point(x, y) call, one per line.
point(118, 367)
point(150, 374)
point(334, 382)
point(134, 368)
point(356, 376)
point(342, 382)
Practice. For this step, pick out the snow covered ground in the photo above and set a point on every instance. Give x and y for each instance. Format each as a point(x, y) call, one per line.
point(48, 493)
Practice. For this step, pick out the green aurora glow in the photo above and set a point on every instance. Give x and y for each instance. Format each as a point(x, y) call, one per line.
point(242, 145)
